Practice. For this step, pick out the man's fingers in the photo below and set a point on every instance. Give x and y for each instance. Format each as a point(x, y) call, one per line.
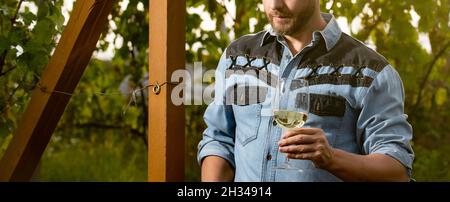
point(302, 156)
point(297, 140)
point(298, 149)
point(303, 131)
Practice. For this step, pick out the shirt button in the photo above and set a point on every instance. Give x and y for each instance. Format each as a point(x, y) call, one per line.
point(269, 157)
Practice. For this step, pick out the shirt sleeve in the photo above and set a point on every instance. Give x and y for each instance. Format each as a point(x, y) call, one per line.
point(382, 124)
point(218, 138)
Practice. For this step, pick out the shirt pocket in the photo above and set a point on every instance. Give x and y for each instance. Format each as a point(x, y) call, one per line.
point(247, 90)
point(248, 120)
point(327, 113)
point(246, 103)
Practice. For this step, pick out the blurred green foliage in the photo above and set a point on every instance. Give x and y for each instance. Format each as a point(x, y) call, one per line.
point(95, 141)
point(432, 163)
point(105, 156)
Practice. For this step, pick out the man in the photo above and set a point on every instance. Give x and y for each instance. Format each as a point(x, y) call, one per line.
point(357, 129)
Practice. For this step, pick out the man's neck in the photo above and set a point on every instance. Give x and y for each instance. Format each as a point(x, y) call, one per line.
point(299, 40)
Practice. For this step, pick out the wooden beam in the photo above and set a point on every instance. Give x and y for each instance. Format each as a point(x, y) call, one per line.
point(166, 121)
point(62, 73)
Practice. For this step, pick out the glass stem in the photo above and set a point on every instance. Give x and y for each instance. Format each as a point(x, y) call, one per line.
point(286, 161)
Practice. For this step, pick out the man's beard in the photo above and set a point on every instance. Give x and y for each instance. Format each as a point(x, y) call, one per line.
point(293, 22)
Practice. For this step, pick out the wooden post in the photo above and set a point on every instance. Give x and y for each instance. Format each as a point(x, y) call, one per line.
point(63, 73)
point(166, 121)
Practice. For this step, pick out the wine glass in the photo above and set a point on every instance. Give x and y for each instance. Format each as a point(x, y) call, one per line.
point(290, 109)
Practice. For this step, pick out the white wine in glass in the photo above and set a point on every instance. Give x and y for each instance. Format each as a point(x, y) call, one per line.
point(290, 109)
point(290, 119)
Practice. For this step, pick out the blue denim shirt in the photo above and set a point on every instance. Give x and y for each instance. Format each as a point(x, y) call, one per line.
point(359, 104)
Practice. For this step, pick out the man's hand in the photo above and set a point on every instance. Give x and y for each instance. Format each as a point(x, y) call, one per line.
point(307, 144)
point(311, 144)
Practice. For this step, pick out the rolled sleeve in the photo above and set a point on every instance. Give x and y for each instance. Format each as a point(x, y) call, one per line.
point(216, 143)
point(218, 138)
point(382, 124)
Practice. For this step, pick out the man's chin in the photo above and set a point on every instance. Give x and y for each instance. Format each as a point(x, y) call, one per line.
point(281, 30)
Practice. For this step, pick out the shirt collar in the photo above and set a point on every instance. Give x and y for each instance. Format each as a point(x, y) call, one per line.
point(331, 34)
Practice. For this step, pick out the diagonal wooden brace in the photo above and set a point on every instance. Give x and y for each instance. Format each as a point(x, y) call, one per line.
point(62, 73)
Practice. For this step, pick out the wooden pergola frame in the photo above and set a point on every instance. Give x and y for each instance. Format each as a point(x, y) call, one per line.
point(64, 71)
